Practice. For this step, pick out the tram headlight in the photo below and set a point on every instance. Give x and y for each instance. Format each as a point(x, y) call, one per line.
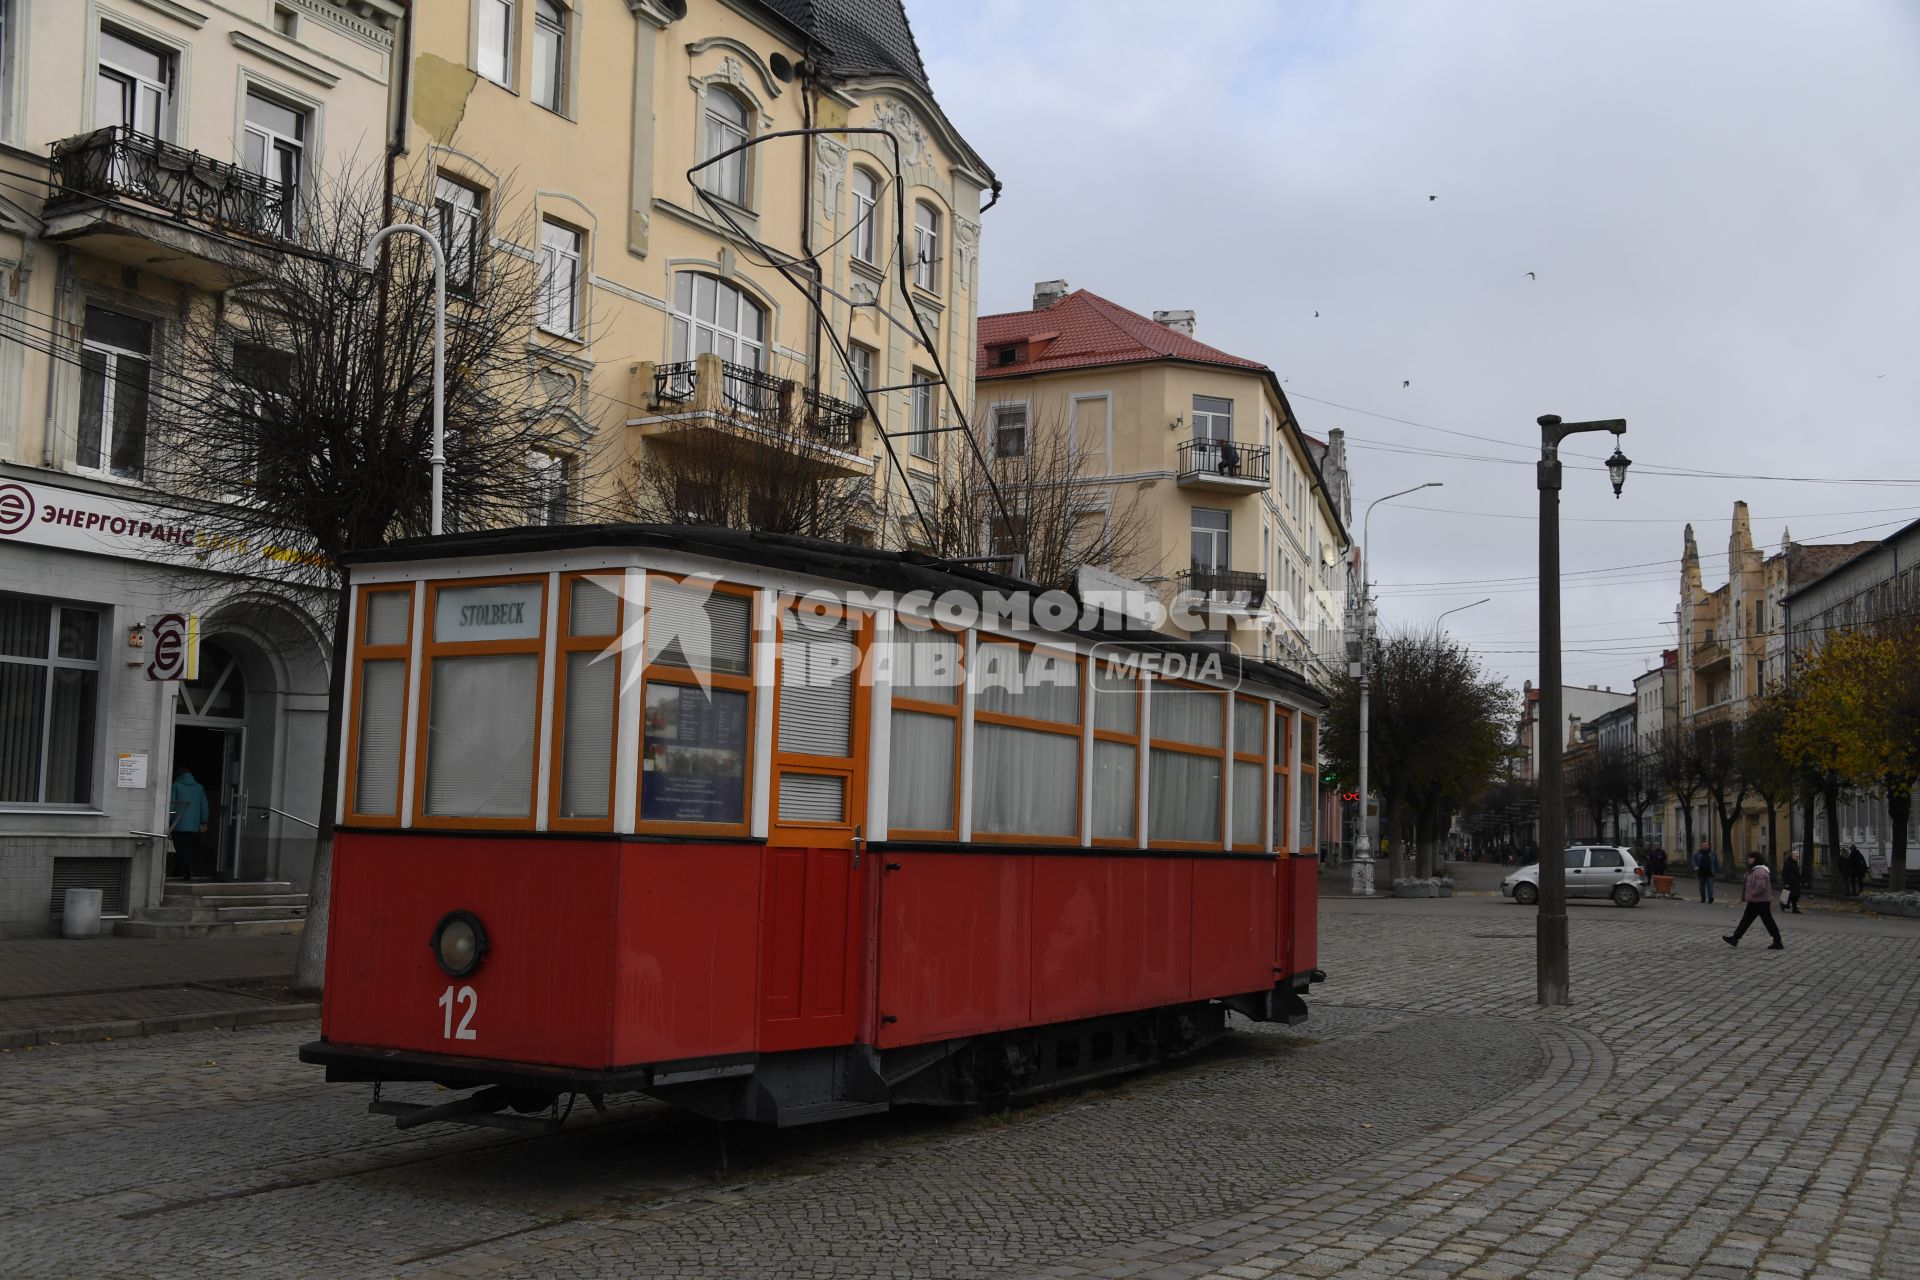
point(459, 943)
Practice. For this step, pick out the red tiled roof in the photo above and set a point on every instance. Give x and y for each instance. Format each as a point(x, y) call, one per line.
point(1083, 330)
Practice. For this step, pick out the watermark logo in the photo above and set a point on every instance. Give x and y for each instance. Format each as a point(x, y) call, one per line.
point(16, 508)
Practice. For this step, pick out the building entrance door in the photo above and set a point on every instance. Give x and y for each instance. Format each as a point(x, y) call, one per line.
point(210, 741)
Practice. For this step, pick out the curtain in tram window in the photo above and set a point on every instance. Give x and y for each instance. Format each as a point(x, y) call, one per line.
point(383, 706)
point(586, 759)
point(1250, 728)
point(920, 772)
point(480, 736)
point(1025, 781)
point(1116, 776)
point(1246, 802)
point(1183, 794)
point(926, 665)
point(1186, 715)
point(1116, 701)
point(1039, 684)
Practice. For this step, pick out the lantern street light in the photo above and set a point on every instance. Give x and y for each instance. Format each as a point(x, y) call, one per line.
point(1550, 929)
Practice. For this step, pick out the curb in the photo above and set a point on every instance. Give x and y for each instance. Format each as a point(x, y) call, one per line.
point(131, 1028)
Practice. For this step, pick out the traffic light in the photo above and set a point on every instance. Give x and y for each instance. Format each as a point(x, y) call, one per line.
point(1329, 778)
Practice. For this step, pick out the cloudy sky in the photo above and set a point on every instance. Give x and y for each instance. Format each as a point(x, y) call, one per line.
point(1719, 200)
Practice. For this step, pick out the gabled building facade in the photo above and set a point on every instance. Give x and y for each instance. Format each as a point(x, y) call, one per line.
point(1235, 503)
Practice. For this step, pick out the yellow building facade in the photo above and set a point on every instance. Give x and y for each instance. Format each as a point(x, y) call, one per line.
point(681, 306)
point(1196, 452)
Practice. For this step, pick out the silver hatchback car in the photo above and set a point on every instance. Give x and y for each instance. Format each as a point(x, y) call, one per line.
point(1593, 871)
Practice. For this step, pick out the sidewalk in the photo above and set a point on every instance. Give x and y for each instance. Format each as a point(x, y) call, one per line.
point(63, 991)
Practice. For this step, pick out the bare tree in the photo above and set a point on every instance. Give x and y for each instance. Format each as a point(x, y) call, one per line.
point(1645, 786)
point(1678, 766)
point(299, 414)
point(1060, 513)
point(1716, 748)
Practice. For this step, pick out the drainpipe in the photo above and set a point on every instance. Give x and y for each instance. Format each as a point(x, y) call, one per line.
point(814, 344)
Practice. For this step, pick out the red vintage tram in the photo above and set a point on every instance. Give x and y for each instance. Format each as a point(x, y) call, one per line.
point(782, 830)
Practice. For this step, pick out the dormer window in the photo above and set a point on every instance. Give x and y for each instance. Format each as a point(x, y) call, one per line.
point(1006, 355)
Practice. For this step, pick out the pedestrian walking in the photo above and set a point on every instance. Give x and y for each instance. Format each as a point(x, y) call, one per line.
point(1790, 877)
point(1856, 870)
point(188, 822)
point(1759, 895)
point(1704, 867)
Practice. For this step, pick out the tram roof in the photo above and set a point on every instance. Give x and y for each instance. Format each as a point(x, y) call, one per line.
point(899, 571)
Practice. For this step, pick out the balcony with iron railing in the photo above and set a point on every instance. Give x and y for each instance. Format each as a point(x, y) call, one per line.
point(1236, 586)
point(1210, 463)
point(143, 201)
point(711, 394)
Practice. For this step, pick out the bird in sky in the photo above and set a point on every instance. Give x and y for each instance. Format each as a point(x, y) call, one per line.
point(1406, 384)
point(1532, 276)
point(1316, 315)
point(1431, 199)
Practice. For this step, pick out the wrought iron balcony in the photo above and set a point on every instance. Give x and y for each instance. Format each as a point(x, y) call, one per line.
point(1238, 585)
point(116, 163)
point(1207, 462)
point(747, 395)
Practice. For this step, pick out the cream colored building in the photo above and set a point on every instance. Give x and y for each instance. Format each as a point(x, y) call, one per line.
point(1198, 447)
point(140, 140)
point(668, 311)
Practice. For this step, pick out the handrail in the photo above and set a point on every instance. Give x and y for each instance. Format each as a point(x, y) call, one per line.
point(119, 161)
point(1228, 459)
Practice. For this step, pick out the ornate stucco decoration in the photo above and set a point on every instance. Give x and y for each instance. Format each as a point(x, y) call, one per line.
point(897, 119)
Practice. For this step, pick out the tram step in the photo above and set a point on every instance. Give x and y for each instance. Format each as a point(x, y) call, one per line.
point(817, 1112)
point(203, 929)
point(182, 910)
point(227, 888)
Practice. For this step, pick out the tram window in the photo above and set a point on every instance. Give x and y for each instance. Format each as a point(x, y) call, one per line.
point(1026, 742)
point(380, 709)
point(483, 702)
point(815, 739)
point(925, 667)
point(1249, 767)
point(589, 694)
point(1309, 842)
point(1282, 776)
point(1185, 769)
point(1116, 756)
point(698, 706)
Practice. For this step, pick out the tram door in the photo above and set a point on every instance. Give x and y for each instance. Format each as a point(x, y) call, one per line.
point(813, 870)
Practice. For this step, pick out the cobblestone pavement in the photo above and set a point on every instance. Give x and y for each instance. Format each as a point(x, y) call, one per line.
point(62, 966)
point(1699, 1111)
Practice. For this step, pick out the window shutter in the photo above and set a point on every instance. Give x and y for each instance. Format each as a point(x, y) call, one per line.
point(808, 797)
point(698, 629)
point(818, 663)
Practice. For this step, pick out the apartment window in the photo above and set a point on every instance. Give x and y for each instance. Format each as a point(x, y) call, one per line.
point(711, 315)
point(550, 487)
point(494, 40)
point(286, 22)
point(926, 246)
point(133, 85)
point(275, 148)
point(549, 55)
point(866, 216)
point(116, 368)
point(920, 445)
point(860, 362)
point(1212, 535)
point(49, 690)
point(1212, 418)
point(1010, 431)
point(559, 278)
point(456, 209)
point(726, 128)
point(265, 377)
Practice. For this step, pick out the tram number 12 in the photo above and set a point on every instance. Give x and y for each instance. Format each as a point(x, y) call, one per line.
point(466, 998)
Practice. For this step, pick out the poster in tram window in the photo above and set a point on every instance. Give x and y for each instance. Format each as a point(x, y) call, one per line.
point(695, 764)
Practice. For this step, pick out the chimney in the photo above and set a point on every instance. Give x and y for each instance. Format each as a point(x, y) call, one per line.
point(1048, 292)
point(1178, 321)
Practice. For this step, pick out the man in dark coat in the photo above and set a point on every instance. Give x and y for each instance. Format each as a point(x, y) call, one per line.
point(1704, 866)
point(1790, 878)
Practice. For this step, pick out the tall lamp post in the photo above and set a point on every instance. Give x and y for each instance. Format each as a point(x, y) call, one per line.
point(1550, 929)
point(1458, 608)
point(369, 260)
point(1360, 666)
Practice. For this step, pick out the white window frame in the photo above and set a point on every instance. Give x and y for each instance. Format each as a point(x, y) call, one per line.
point(50, 664)
point(999, 427)
point(110, 388)
point(551, 475)
point(730, 133)
point(275, 145)
point(861, 361)
point(130, 79)
point(554, 256)
point(447, 207)
point(864, 239)
point(681, 349)
point(923, 416)
point(556, 62)
point(482, 10)
point(926, 246)
point(1221, 539)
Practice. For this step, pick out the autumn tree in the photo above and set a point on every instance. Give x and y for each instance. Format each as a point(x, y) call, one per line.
point(1764, 763)
point(300, 411)
point(1856, 714)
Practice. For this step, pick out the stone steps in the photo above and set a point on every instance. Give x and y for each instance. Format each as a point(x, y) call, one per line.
point(219, 909)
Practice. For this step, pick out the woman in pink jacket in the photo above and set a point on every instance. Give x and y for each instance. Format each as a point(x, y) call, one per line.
point(1759, 896)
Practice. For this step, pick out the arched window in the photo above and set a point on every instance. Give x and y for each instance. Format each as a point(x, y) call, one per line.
point(726, 127)
point(711, 315)
point(866, 215)
point(926, 246)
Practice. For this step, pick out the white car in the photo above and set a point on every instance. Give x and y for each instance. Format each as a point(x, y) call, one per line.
point(1593, 871)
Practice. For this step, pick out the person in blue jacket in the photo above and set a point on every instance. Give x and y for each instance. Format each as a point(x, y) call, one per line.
point(1704, 866)
point(187, 824)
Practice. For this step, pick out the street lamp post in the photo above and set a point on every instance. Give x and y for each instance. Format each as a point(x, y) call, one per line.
point(368, 260)
point(1362, 885)
point(1458, 608)
point(1550, 928)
